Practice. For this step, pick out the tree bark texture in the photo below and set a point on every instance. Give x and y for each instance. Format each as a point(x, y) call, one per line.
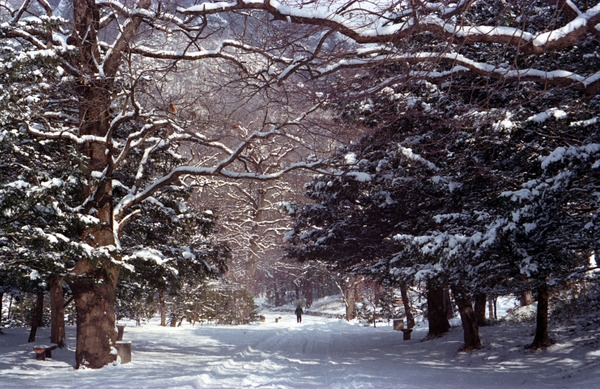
point(526, 297)
point(492, 309)
point(436, 314)
point(94, 279)
point(95, 306)
point(255, 233)
point(350, 300)
point(163, 308)
point(57, 311)
point(480, 305)
point(448, 307)
point(410, 319)
point(307, 291)
point(37, 317)
point(542, 336)
point(468, 319)
point(10, 303)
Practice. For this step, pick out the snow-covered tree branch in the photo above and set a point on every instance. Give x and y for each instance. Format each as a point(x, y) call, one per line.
point(386, 31)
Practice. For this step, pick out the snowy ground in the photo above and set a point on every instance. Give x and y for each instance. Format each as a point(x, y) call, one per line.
point(319, 353)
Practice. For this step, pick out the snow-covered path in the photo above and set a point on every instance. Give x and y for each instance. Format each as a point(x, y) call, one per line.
point(319, 353)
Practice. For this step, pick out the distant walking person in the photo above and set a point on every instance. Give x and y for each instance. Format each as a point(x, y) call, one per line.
point(299, 313)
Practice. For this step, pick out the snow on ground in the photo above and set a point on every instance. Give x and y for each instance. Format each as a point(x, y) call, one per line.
point(319, 353)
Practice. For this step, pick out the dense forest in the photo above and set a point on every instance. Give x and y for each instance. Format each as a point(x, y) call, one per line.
point(182, 158)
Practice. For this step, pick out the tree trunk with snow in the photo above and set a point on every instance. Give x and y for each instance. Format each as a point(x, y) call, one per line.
point(468, 319)
point(10, 303)
point(95, 306)
point(542, 336)
point(307, 291)
point(253, 256)
point(492, 308)
point(436, 314)
point(94, 279)
point(448, 306)
point(350, 303)
point(480, 305)
point(162, 307)
point(526, 297)
point(57, 311)
point(36, 319)
point(410, 319)
point(350, 296)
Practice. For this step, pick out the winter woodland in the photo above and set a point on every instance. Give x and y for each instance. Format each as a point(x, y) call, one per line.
point(174, 161)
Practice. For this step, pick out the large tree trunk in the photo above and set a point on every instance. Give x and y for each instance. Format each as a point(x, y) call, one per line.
point(94, 279)
point(410, 319)
point(468, 319)
point(436, 314)
point(95, 306)
point(37, 317)
point(57, 311)
point(542, 336)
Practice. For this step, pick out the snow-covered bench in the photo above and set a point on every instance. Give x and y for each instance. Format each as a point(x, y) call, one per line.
point(43, 352)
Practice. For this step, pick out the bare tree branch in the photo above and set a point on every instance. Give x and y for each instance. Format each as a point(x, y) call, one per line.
point(379, 26)
point(369, 27)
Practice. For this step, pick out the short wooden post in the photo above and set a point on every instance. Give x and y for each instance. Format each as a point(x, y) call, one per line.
point(124, 351)
point(120, 331)
point(262, 319)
